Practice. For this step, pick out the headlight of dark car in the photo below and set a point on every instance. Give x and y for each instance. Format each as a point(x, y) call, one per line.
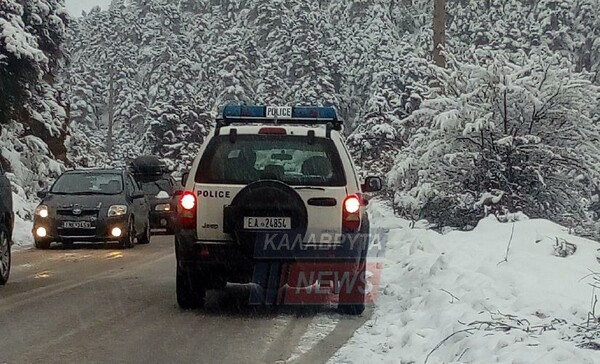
point(163, 207)
point(41, 211)
point(117, 210)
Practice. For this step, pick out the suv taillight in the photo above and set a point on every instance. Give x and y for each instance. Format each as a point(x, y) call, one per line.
point(187, 210)
point(351, 213)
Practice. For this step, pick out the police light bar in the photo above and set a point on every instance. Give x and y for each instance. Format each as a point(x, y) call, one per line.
point(279, 115)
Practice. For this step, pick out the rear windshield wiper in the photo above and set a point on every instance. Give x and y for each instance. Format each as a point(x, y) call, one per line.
point(309, 188)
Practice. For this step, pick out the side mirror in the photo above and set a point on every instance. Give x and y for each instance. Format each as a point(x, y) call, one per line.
point(138, 194)
point(42, 194)
point(184, 178)
point(372, 184)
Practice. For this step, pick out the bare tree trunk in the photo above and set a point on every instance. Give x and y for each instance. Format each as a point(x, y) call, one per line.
point(111, 114)
point(439, 32)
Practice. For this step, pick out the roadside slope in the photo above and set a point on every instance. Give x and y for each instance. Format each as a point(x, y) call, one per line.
point(455, 298)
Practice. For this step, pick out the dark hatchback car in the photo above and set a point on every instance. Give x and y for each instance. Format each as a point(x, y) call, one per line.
point(97, 205)
point(159, 190)
point(159, 186)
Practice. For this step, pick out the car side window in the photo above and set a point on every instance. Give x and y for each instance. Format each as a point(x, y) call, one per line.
point(134, 183)
point(130, 186)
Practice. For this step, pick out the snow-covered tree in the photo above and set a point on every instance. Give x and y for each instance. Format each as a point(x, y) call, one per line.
point(383, 130)
point(33, 119)
point(506, 137)
point(176, 63)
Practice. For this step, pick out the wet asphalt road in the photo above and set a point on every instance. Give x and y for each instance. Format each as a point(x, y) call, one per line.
point(99, 304)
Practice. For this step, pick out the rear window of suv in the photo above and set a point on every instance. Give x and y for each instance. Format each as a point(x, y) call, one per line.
point(154, 187)
point(290, 159)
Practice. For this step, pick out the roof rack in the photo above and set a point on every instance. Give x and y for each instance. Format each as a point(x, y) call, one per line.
point(279, 115)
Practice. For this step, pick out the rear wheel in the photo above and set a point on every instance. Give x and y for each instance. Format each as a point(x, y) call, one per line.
point(5, 256)
point(190, 290)
point(127, 241)
point(352, 301)
point(353, 310)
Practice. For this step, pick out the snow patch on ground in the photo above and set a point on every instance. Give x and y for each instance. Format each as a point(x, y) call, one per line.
point(455, 298)
point(22, 237)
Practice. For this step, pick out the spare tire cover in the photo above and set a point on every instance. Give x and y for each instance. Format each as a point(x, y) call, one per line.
point(265, 198)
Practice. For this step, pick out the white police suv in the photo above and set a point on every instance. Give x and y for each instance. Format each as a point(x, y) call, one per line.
point(270, 184)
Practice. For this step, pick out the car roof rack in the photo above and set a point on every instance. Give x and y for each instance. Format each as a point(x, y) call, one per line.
point(279, 115)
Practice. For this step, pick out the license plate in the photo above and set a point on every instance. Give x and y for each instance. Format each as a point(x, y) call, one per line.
point(267, 223)
point(77, 224)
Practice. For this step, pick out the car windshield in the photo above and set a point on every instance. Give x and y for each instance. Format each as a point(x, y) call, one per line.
point(88, 184)
point(153, 188)
point(290, 159)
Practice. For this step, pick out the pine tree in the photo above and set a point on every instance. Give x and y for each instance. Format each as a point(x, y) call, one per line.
point(33, 115)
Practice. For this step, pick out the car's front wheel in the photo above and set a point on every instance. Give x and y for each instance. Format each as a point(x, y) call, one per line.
point(144, 238)
point(190, 290)
point(5, 256)
point(127, 241)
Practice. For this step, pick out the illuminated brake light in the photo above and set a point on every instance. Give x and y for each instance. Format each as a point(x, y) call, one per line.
point(187, 212)
point(188, 201)
point(351, 213)
point(272, 130)
point(352, 204)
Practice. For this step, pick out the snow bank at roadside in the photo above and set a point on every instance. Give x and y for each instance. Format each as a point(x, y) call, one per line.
point(23, 209)
point(453, 297)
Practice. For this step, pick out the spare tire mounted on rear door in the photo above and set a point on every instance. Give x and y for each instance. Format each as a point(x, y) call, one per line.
point(264, 199)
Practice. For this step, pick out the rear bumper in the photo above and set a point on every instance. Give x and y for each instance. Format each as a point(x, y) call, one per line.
point(101, 231)
point(235, 262)
point(217, 260)
point(162, 220)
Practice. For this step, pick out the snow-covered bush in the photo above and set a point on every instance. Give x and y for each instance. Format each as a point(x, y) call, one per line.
point(379, 136)
point(504, 137)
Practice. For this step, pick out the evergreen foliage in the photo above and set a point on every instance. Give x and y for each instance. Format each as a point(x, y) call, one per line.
point(33, 112)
